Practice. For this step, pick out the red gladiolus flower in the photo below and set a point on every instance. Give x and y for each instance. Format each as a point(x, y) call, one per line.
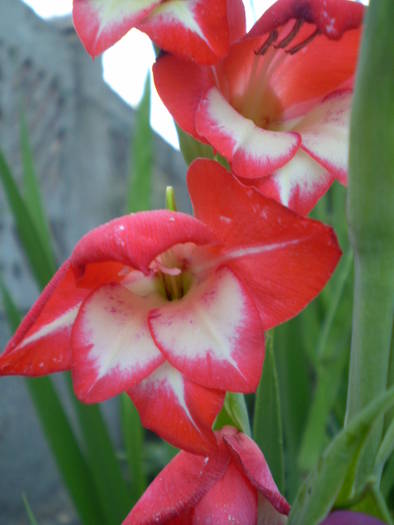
point(172, 308)
point(199, 30)
point(277, 106)
point(233, 486)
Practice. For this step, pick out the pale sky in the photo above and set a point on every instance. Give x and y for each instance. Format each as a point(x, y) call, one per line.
point(130, 87)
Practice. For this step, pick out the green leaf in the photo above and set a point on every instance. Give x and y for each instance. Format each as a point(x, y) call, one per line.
point(41, 266)
point(295, 393)
point(32, 194)
point(319, 492)
point(141, 165)
point(29, 512)
point(69, 459)
point(332, 355)
point(387, 446)
point(373, 504)
point(133, 436)
point(105, 467)
point(388, 481)
point(59, 434)
point(267, 422)
point(14, 317)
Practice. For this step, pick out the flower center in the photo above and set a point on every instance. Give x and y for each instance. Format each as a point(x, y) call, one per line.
point(172, 270)
point(174, 287)
point(259, 99)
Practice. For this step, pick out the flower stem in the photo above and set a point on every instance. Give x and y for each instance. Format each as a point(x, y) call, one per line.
point(371, 219)
point(170, 198)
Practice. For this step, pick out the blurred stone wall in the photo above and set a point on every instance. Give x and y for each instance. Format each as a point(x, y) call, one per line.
point(80, 132)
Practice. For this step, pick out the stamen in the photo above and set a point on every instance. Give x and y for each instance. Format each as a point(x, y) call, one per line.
point(301, 45)
point(293, 33)
point(270, 40)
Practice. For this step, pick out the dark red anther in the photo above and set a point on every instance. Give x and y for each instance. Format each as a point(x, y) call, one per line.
point(293, 33)
point(270, 40)
point(308, 40)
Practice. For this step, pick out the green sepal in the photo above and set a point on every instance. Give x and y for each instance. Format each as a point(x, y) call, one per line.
point(234, 413)
point(192, 149)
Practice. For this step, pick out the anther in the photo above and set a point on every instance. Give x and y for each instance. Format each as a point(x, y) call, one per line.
point(293, 33)
point(267, 44)
point(304, 43)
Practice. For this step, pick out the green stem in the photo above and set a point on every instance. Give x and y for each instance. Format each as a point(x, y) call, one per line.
point(170, 198)
point(371, 218)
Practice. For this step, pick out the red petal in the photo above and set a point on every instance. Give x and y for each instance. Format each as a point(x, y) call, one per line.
point(232, 500)
point(236, 19)
point(284, 259)
point(213, 334)
point(250, 459)
point(267, 514)
point(325, 133)
point(252, 151)
point(193, 29)
point(332, 17)
point(41, 344)
point(137, 239)
point(100, 24)
point(181, 85)
point(303, 76)
point(177, 489)
point(111, 343)
point(298, 185)
point(180, 411)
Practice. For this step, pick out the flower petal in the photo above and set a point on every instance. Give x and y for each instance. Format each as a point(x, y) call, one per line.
point(236, 19)
point(231, 500)
point(111, 343)
point(181, 84)
point(252, 151)
point(325, 133)
point(284, 259)
point(179, 410)
point(100, 23)
point(332, 17)
point(298, 185)
point(303, 76)
point(137, 239)
point(250, 459)
point(193, 29)
point(41, 344)
point(178, 488)
point(267, 514)
point(213, 334)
